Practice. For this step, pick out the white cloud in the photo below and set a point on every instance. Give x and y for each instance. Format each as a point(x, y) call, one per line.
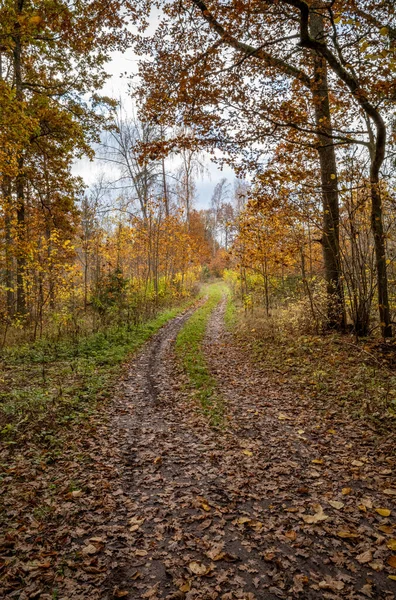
point(120, 68)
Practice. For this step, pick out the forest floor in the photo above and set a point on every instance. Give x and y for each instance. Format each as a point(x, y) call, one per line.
point(282, 496)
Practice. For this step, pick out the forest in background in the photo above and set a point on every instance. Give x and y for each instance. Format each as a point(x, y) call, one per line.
point(300, 95)
point(297, 97)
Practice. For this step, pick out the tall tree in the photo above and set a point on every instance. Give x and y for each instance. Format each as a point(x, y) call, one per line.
point(191, 166)
point(123, 145)
point(220, 91)
point(52, 65)
point(366, 94)
point(220, 196)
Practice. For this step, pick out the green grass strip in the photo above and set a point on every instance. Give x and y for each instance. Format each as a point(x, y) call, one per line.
point(230, 315)
point(190, 352)
point(48, 386)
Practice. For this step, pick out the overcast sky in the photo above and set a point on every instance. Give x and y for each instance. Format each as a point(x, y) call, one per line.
point(117, 87)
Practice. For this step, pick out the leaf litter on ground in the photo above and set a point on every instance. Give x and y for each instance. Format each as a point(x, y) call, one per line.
point(208, 520)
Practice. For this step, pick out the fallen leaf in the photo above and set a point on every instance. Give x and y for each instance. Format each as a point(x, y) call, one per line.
point(186, 587)
point(151, 592)
point(230, 557)
point(76, 493)
point(216, 553)
point(205, 506)
point(357, 463)
point(386, 529)
point(336, 504)
point(376, 566)
point(256, 525)
point(390, 492)
point(247, 453)
point(393, 577)
point(314, 473)
point(384, 512)
point(392, 561)
point(198, 568)
point(318, 516)
point(219, 556)
point(332, 431)
point(120, 593)
point(331, 584)
point(205, 524)
point(345, 534)
point(367, 502)
point(89, 549)
point(141, 552)
point(291, 535)
point(135, 523)
point(283, 417)
point(242, 520)
point(299, 582)
point(98, 540)
point(345, 491)
point(300, 431)
point(391, 544)
point(367, 590)
point(317, 461)
point(365, 557)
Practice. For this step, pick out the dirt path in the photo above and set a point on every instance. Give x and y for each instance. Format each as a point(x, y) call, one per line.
point(278, 504)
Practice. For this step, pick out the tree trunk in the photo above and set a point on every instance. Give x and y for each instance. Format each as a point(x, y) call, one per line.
point(164, 184)
point(6, 192)
point(339, 67)
point(20, 183)
point(328, 170)
point(380, 255)
point(165, 188)
point(21, 259)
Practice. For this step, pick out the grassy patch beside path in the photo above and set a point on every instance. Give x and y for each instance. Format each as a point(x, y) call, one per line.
point(49, 386)
point(189, 350)
point(230, 315)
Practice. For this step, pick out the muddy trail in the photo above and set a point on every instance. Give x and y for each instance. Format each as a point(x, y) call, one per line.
point(281, 502)
point(284, 500)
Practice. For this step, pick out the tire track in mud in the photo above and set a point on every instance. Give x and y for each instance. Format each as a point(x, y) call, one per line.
point(161, 345)
point(180, 489)
point(149, 379)
point(145, 423)
point(125, 465)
